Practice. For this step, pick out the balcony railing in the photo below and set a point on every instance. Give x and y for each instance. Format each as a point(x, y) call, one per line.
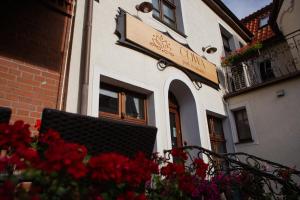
point(262, 179)
point(270, 64)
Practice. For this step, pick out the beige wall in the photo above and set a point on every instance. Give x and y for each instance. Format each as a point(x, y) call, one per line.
point(274, 122)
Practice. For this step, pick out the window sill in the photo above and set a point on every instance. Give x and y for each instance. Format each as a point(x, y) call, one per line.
point(245, 142)
point(119, 118)
point(166, 24)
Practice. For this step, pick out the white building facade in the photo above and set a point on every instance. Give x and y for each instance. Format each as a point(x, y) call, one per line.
point(126, 83)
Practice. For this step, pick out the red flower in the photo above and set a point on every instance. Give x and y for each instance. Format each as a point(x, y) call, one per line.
point(61, 155)
point(201, 168)
point(117, 168)
point(179, 154)
point(15, 136)
point(38, 124)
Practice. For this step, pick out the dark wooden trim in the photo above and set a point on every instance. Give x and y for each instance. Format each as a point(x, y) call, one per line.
point(121, 116)
point(174, 108)
point(263, 85)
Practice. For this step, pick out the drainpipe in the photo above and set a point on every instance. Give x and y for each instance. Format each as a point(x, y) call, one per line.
point(86, 53)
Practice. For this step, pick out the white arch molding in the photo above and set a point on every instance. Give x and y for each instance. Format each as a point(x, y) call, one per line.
point(190, 109)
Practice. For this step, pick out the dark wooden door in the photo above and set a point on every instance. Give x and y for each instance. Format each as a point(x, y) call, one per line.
point(175, 128)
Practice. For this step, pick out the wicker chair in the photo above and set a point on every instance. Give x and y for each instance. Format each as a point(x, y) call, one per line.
point(100, 135)
point(5, 114)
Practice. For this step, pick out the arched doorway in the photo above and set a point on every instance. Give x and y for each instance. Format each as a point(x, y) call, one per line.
point(175, 127)
point(183, 117)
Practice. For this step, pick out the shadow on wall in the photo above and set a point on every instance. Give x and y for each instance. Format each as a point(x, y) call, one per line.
point(32, 33)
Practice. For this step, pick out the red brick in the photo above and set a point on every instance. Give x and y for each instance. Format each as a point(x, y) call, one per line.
point(51, 75)
point(12, 97)
point(19, 85)
point(5, 102)
point(2, 94)
point(41, 91)
point(29, 82)
point(2, 81)
point(30, 70)
point(22, 112)
point(39, 78)
point(33, 101)
point(49, 104)
point(27, 75)
point(21, 105)
point(49, 87)
point(7, 76)
point(15, 72)
point(24, 93)
point(3, 69)
point(8, 63)
point(35, 114)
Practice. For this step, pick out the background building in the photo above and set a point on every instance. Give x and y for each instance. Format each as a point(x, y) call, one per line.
point(264, 87)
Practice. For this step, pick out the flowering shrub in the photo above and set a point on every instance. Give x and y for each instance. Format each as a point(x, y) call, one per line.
point(242, 54)
point(48, 167)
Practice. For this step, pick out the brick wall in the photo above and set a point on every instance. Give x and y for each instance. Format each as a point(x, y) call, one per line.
point(32, 56)
point(27, 89)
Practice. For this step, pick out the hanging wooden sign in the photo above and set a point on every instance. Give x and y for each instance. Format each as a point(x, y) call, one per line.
point(134, 33)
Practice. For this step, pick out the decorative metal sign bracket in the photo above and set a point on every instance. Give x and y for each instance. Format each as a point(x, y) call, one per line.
point(162, 64)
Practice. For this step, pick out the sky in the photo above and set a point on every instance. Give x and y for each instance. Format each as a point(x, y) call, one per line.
point(243, 8)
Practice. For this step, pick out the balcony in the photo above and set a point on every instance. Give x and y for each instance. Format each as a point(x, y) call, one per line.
point(261, 65)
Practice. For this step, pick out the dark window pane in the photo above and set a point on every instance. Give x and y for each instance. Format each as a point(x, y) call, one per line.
point(218, 127)
point(109, 101)
point(263, 21)
point(173, 130)
point(155, 4)
point(168, 12)
point(155, 13)
point(135, 107)
point(220, 147)
point(226, 42)
point(169, 22)
point(242, 125)
point(266, 70)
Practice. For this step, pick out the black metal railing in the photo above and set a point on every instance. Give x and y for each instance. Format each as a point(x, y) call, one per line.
point(265, 178)
point(272, 63)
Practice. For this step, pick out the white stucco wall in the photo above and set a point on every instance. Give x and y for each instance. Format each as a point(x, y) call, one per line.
point(132, 69)
point(274, 122)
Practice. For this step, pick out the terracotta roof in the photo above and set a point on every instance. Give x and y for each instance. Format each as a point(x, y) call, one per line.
point(252, 22)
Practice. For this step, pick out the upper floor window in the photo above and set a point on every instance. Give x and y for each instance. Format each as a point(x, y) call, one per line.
point(121, 104)
point(169, 13)
point(226, 44)
point(242, 125)
point(263, 21)
point(266, 71)
point(217, 139)
point(227, 39)
point(238, 80)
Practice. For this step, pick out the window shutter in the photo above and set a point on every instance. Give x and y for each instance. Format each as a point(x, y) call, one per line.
point(238, 77)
